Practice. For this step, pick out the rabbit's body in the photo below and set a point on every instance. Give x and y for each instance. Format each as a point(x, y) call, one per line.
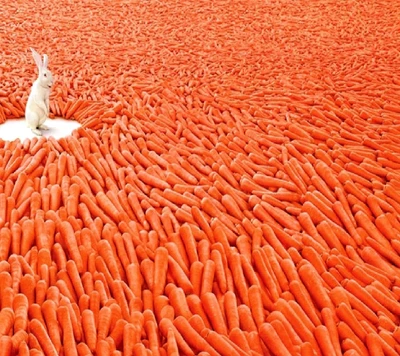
point(37, 107)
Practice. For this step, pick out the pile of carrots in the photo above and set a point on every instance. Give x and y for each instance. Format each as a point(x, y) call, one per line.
point(234, 188)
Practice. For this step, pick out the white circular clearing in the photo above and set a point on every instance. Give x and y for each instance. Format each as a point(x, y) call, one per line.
point(17, 128)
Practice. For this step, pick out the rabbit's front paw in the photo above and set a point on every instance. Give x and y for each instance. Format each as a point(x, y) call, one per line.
point(43, 127)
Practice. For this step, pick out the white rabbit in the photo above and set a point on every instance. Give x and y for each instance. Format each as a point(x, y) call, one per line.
point(37, 107)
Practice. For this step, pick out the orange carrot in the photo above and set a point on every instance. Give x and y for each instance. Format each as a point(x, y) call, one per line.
point(6, 320)
point(272, 340)
point(165, 326)
point(42, 336)
point(345, 314)
point(6, 346)
point(214, 312)
point(69, 239)
point(160, 270)
point(89, 329)
point(265, 274)
point(180, 276)
point(314, 285)
point(69, 344)
point(238, 277)
point(303, 298)
point(179, 303)
point(220, 343)
point(269, 182)
point(374, 345)
point(189, 242)
point(193, 338)
point(103, 323)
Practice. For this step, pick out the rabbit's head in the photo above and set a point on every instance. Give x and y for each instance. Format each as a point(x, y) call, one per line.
point(45, 77)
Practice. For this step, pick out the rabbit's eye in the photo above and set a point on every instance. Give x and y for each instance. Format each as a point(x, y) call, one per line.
point(45, 74)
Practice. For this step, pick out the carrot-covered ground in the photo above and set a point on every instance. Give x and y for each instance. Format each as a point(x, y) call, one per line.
point(234, 188)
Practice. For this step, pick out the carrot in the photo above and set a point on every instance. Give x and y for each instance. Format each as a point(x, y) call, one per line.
point(179, 303)
point(363, 221)
point(160, 270)
point(314, 258)
point(220, 343)
point(74, 312)
point(326, 231)
point(192, 337)
point(89, 329)
point(172, 346)
point(246, 320)
point(151, 330)
point(389, 254)
point(129, 335)
point(196, 307)
point(106, 252)
point(303, 298)
point(256, 305)
point(374, 344)
point(16, 272)
point(49, 313)
point(207, 277)
point(153, 219)
point(270, 236)
point(214, 312)
point(41, 334)
point(296, 322)
point(265, 274)
point(20, 306)
point(179, 276)
point(104, 323)
point(5, 243)
point(272, 340)
point(182, 173)
point(389, 303)
point(220, 275)
point(202, 222)
point(249, 272)
point(347, 221)
point(384, 226)
point(345, 314)
point(364, 296)
point(69, 239)
point(238, 277)
point(6, 345)
point(369, 255)
point(174, 250)
point(69, 344)
point(269, 182)
point(88, 203)
point(17, 339)
point(239, 338)
point(37, 159)
point(166, 326)
point(152, 180)
point(313, 283)
point(350, 340)
point(283, 218)
point(28, 236)
point(6, 320)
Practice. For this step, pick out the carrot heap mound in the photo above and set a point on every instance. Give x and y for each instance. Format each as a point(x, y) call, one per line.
point(234, 188)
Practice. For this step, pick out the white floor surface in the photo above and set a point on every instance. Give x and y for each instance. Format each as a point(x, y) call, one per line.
point(16, 128)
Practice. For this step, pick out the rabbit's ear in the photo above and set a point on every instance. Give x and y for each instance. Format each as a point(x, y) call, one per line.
point(37, 58)
point(45, 61)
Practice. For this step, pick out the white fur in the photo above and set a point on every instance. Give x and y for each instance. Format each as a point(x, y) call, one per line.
point(37, 107)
